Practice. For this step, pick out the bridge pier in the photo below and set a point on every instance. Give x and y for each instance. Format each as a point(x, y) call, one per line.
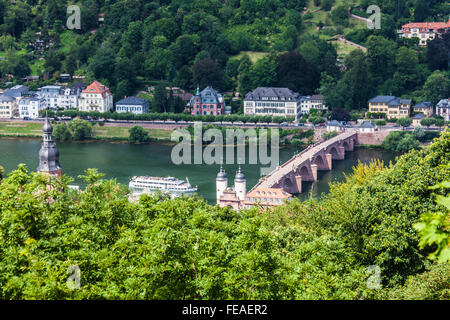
point(341, 153)
point(329, 160)
point(351, 144)
point(314, 171)
point(298, 183)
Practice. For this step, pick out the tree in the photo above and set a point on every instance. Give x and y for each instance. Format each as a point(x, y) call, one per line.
point(439, 123)
point(159, 102)
point(404, 122)
point(427, 122)
point(61, 132)
point(407, 74)
point(2, 172)
point(339, 16)
point(380, 123)
point(80, 129)
point(244, 75)
point(208, 73)
point(158, 64)
point(380, 58)
point(340, 114)
point(436, 87)
point(437, 52)
point(263, 73)
point(295, 73)
point(137, 134)
point(433, 227)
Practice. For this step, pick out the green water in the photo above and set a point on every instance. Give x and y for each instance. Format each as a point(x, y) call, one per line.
point(123, 161)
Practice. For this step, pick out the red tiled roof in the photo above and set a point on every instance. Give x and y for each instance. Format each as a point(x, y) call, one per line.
point(97, 88)
point(427, 25)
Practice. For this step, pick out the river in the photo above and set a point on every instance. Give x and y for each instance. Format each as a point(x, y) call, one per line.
point(123, 161)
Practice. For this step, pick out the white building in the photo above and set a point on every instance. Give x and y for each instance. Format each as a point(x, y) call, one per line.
point(312, 102)
point(366, 127)
point(272, 102)
point(8, 106)
point(96, 97)
point(51, 96)
point(443, 109)
point(424, 31)
point(334, 126)
point(29, 107)
point(68, 96)
point(132, 104)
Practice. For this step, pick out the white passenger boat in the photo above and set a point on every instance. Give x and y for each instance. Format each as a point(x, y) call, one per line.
point(173, 186)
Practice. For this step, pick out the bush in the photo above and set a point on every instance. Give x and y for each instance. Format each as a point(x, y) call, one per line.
point(138, 135)
point(61, 132)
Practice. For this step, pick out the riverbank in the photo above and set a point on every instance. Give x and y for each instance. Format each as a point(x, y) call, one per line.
point(105, 132)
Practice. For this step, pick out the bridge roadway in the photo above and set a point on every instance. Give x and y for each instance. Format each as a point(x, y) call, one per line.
point(304, 165)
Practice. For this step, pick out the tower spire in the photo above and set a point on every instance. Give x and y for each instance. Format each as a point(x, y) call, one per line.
point(48, 154)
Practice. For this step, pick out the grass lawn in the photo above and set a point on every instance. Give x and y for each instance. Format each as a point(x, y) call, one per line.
point(253, 55)
point(21, 128)
point(26, 128)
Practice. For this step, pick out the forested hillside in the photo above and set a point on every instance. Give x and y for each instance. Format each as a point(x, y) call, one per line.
point(186, 249)
point(235, 44)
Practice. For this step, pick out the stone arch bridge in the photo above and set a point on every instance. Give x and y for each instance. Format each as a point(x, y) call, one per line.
point(304, 166)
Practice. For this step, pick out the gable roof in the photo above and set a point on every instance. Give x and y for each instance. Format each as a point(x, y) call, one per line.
point(132, 101)
point(419, 116)
point(334, 123)
point(97, 88)
point(424, 104)
point(272, 92)
point(6, 98)
point(16, 91)
point(367, 124)
point(390, 100)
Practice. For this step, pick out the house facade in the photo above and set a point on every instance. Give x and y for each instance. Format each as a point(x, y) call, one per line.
point(132, 104)
point(96, 97)
point(29, 107)
point(272, 101)
point(334, 125)
point(8, 106)
point(424, 30)
point(312, 102)
point(207, 102)
point(68, 96)
point(424, 107)
point(51, 96)
point(392, 107)
point(266, 197)
point(416, 119)
point(443, 109)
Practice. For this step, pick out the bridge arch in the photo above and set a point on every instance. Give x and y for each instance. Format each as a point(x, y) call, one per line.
point(303, 171)
point(346, 146)
point(334, 152)
point(319, 161)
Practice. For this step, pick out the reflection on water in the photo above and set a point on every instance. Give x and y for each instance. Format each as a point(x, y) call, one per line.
point(123, 161)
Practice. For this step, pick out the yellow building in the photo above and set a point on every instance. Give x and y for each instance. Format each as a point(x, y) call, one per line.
point(424, 107)
point(392, 107)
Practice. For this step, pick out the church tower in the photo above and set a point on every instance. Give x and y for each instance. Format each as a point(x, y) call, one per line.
point(49, 155)
point(240, 185)
point(221, 183)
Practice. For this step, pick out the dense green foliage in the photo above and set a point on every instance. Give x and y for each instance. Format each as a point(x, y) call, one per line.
point(186, 43)
point(138, 135)
point(77, 130)
point(170, 116)
point(186, 249)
